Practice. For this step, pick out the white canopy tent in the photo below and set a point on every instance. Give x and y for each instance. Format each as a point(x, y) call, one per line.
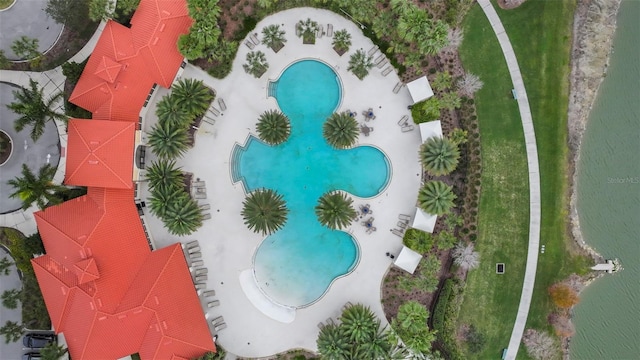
point(430, 129)
point(408, 260)
point(424, 221)
point(419, 89)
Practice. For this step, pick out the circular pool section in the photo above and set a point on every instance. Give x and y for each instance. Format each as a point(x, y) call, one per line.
point(295, 266)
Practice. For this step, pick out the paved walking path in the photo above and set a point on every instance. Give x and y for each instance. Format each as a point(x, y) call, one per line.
point(534, 178)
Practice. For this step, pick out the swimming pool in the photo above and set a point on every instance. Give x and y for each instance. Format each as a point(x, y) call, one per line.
point(296, 265)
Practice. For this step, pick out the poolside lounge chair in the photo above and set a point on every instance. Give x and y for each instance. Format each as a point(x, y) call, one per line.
point(208, 120)
point(222, 104)
point(201, 271)
point(198, 183)
point(213, 303)
point(402, 224)
point(373, 50)
point(321, 325)
point(200, 195)
point(329, 30)
point(320, 31)
point(201, 286)
point(371, 229)
point(398, 86)
point(206, 216)
point(191, 244)
point(404, 217)
point(386, 71)
point(218, 320)
point(407, 128)
point(403, 120)
point(397, 232)
point(205, 207)
point(347, 305)
point(249, 44)
point(193, 249)
point(382, 64)
point(195, 255)
point(209, 293)
point(214, 111)
point(197, 263)
point(220, 327)
point(201, 278)
point(254, 39)
point(379, 59)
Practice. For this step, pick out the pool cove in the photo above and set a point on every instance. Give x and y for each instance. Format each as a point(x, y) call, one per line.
point(295, 266)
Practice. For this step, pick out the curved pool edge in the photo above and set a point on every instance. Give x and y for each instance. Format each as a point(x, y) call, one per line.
point(263, 303)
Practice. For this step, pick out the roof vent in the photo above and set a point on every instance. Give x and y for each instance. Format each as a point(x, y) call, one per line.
point(162, 27)
point(93, 162)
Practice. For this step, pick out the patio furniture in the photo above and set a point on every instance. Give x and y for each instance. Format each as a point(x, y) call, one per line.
point(368, 223)
point(222, 104)
point(402, 224)
point(397, 232)
point(209, 293)
point(329, 30)
point(195, 255)
point(379, 59)
point(197, 263)
point(213, 303)
point(200, 195)
point(386, 71)
point(193, 249)
point(365, 209)
point(206, 216)
point(347, 305)
point(201, 278)
point(254, 39)
point(217, 320)
point(371, 229)
point(208, 120)
point(321, 325)
point(404, 217)
point(214, 111)
point(249, 45)
point(201, 271)
point(201, 286)
point(404, 120)
point(320, 31)
point(373, 50)
point(205, 207)
point(407, 128)
point(364, 129)
point(382, 64)
point(221, 327)
point(397, 88)
point(192, 243)
point(198, 183)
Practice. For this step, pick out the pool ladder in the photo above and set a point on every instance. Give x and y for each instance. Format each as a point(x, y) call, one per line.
point(273, 87)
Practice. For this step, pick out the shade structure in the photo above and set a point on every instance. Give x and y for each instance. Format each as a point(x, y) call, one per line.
point(424, 221)
point(408, 260)
point(419, 89)
point(430, 129)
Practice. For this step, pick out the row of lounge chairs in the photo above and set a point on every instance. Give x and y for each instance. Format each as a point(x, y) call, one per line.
point(402, 224)
point(252, 41)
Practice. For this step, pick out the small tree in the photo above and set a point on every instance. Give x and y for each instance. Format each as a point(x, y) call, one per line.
point(34, 110)
point(458, 136)
point(335, 210)
point(193, 96)
point(12, 331)
point(411, 326)
point(469, 84)
point(436, 198)
point(563, 296)
point(465, 257)
point(38, 188)
point(53, 351)
point(164, 173)
point(446, 240)
point(360, 63)
point(427, 110)
point(540, 345)
point(256, 64)
point(101, 9)
point(450, 101)
point(25, 48)
point(273, 127)
point(439, 156)
point(442, 81)
point(418, 240)
point(71, 13)
point(273, 37)
point(307, 29)
point(10, 298)
point(183, 216)
point(340, 130)
point(341, 41)
point(5, 266)
point(264, 211)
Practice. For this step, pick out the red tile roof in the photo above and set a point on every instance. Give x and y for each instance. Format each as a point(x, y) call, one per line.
point(100, 153)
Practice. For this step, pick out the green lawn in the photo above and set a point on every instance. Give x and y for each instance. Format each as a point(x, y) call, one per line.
point(540, 32)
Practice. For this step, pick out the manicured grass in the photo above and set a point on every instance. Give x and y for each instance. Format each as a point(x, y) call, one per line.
point(540, 32)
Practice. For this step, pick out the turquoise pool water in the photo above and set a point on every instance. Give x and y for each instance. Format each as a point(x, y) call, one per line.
point(296, 265)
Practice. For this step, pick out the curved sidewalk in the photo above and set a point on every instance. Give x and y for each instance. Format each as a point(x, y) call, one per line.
point(534, 178)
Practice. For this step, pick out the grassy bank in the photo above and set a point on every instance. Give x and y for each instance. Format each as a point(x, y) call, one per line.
point(540, 32)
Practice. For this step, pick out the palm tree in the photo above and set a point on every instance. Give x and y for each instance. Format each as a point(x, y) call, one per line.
point(439, 156)
point(436, 198)
point(418, 240)
point(164, 173)
point(341, 41)
point(377, 347)
point(170, 110)
point(12, 331)
point(161, 198)
point(273, 127)
point(168, 140)
point(53, 351)
point(10, 298)
point(39, 189)
point(411, 326)
point(273, 37)
point(34, 110)
point(256, 64)
point(183, 216)
point(5, 266)
point(340, 130)
point(334, 210)
point(360, 63)
point(359, 323)
point(465, 257)
point(264, 211)
point(307, 30)
point(193, 96)
point(332, 343)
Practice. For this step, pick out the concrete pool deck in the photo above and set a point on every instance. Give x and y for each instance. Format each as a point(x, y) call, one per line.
point(228, 246)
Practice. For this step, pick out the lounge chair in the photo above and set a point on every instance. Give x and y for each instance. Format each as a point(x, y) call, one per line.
point(402, 224)
point(373, 50)
point(195, 255)
point(320, 31)
point(206, 216)
point(397, 88)
point(208, 120)
point(254, 39)
point(200, 195)
point(198, 183)
point(209, 293)
point(403, 120)
point(217, 320)
point(220, 327)
point(201, 271)
point(192, 243)
point(407, 128)
point(404, 217)
point(213, 303)
point(201, 286)
point(397, 232)
point(249, 44)
point(193, 249)
point(214, 111)
point(382, 64)
point(347, 305)
point(197, 263)
point(371, 229)
point(201, 278)
point(223, 106)
point(205, 207)
point(379, 59)
point(386, 71)
point(329, 30)
point(321, 325)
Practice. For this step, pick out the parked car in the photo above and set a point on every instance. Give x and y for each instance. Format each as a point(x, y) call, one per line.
point(38, 341)
point(33, 355)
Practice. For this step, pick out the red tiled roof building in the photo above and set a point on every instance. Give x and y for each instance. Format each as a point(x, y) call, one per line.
point(104, 288)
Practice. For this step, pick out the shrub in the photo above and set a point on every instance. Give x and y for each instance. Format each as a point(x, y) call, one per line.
point(563, 296)
point(427, 110)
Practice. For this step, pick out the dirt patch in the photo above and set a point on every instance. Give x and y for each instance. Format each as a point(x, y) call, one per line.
point(510, 4)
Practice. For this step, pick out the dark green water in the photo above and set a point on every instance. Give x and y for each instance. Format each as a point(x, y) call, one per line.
point(608, 316)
